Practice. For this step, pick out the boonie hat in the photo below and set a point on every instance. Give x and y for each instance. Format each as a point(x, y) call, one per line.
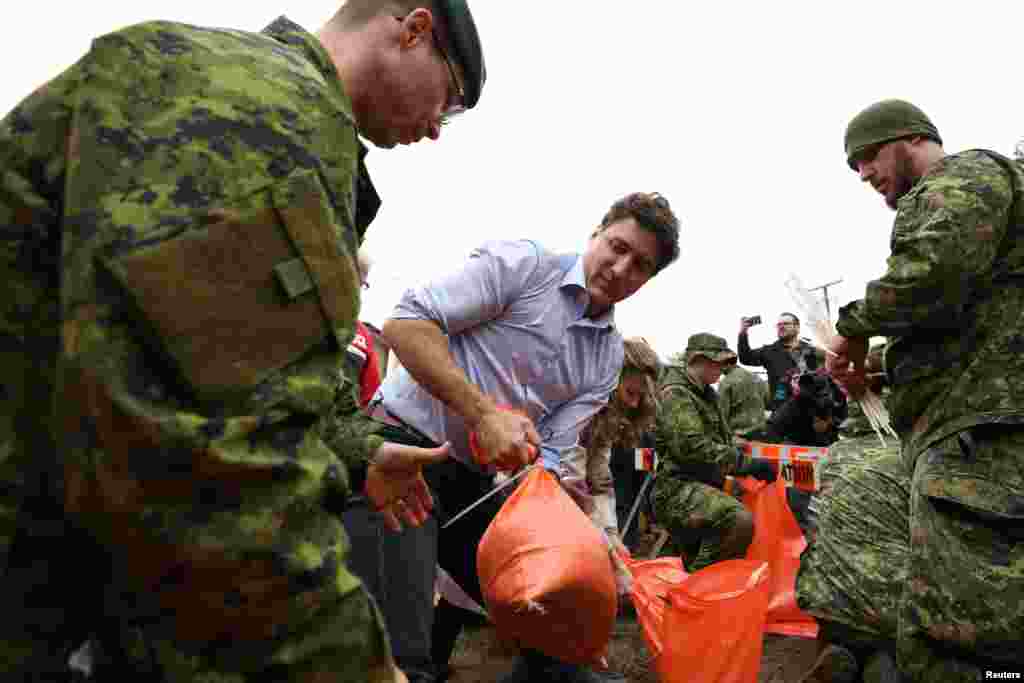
point(710, 346)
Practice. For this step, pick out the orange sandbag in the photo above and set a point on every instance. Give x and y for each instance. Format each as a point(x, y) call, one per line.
point(652, 581)
point(546, 574)
point(713, 630)
point(778, 541)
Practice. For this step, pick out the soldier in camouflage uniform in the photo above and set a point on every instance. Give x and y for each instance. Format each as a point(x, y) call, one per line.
point(695, 444)
point(742, 397)
point(951, 304)
point(181, 211)
point(852, 573)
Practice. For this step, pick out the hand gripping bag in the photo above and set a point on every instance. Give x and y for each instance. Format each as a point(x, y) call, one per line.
point(713, 629)
point(778, 541)
point(546, 574)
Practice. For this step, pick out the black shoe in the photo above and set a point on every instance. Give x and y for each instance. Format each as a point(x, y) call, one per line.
point(835, 664)
point(590, 676)
point(521, 673)
point(575, 673)
point(881, 668)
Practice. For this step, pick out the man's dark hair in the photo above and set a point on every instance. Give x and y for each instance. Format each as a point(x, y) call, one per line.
point(651, 212)
point(791, 315)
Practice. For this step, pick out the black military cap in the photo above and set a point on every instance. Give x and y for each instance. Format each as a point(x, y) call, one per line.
point(465, 44)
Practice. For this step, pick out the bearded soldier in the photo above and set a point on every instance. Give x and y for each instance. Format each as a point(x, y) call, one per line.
point(951, 304)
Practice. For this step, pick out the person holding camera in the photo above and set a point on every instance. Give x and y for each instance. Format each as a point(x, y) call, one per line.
point(812, 414)
point(696, 446)
point(786, 356)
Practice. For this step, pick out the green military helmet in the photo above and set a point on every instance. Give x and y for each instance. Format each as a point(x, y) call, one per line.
point(886, 121)
point(708, 345)
point(465, 44)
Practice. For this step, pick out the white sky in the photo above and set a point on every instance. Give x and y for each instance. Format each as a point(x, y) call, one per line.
point(734, 111)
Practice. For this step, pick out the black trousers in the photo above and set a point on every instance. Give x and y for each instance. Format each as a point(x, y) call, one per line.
point(399, 569)
point(628, 482)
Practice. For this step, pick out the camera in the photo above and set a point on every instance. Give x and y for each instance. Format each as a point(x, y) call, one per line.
point(753, 320)
point(817, 390)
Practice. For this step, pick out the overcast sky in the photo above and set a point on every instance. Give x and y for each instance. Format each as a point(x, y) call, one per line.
point(734, 111)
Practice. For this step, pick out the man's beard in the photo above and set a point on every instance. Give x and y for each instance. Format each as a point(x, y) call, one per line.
point(903, 180)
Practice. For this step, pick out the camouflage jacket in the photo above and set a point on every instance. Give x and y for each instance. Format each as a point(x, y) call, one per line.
point(179, 255)
point(742, 397)
point(691, 434)
point(951, 301)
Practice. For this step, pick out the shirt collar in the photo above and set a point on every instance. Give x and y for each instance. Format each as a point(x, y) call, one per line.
point(574, 284)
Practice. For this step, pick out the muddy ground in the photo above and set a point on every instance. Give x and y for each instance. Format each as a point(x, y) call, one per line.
point(480, 657)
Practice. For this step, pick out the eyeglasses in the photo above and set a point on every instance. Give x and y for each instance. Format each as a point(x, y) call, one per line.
point(456, 105)
point(786, 324)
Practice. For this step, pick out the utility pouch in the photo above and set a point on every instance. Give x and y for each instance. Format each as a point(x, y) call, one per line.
point(247, 293)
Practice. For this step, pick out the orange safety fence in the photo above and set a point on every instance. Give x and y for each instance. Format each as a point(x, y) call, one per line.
point(796, 465)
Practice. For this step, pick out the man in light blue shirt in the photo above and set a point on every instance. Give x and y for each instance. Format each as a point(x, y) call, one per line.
point(517, 327)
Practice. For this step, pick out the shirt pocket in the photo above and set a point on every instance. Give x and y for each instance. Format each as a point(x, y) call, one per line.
point(244, 293)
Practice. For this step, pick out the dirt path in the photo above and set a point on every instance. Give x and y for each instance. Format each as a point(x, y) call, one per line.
point(480, 658)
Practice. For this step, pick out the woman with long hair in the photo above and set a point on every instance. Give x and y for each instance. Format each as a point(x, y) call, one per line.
point(629, 414)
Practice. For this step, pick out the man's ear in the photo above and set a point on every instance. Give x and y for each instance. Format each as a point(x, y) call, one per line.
point(416, 27)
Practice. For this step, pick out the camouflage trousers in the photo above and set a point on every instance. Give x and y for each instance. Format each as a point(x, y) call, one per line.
point(60, 588)
point(933, 561)
point(962, 607)
point(852, 573)
point(695, 513)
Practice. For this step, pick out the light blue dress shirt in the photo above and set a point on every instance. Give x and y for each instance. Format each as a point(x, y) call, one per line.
point(514, 316)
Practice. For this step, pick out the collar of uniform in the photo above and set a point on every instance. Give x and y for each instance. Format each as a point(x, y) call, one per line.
point(288, 32)
point(574, 283)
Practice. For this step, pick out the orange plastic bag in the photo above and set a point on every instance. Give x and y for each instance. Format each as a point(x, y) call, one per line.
point(652, 581)
point(546, 574)
point(778, 541)
point(713, 630)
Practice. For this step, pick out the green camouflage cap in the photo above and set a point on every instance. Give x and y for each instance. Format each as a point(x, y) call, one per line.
point(709, 346)
point(465, 45)
point(886, 121)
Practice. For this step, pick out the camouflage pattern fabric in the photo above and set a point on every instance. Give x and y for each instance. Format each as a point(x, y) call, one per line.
point(695, 445)
point(962, 609)
point(742, 397)
point(179, 254)
point(692, 511)
point(853, 571)
point(951, 305)
point(856, 422)
point(951, 302)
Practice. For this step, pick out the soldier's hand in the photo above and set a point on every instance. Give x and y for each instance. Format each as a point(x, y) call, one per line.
point(395, 485)
point(845, 363)
point(506, 439)
point(744, 325)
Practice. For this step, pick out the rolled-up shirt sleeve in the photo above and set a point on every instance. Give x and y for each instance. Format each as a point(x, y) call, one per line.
point(492, 278)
